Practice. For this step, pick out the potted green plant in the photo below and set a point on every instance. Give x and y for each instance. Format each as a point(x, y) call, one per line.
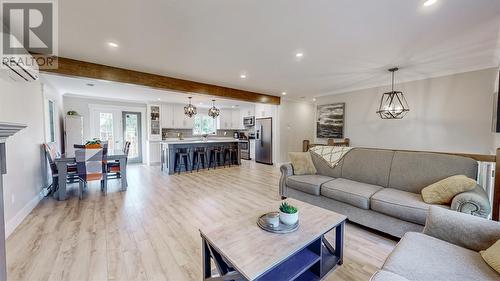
point(288, 214)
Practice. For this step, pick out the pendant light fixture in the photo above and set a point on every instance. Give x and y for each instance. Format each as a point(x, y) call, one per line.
point(190, 110)
point(213, 111)
point(393, 104)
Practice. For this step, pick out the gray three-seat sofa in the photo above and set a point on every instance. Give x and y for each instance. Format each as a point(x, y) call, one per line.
point(381, 189)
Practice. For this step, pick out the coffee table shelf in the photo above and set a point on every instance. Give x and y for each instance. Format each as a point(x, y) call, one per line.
point(293, 267)
point(307, 276)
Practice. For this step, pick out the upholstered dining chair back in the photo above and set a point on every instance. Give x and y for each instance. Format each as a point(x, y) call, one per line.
point(52, 153)
point(91, 162)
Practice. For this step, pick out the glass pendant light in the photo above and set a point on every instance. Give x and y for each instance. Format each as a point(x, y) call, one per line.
point(190, 110)
point(213, 111)
point(393, 104)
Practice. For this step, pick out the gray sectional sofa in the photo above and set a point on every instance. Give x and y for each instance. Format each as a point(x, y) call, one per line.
point(448, 249)
point(381, 188)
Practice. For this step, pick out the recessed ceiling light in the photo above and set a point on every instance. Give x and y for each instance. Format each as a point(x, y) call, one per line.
point(243, 76)
point(429, 2)
point(159, 99)
point(201, 103)
point(113, 44)
point(314, 99)
point(232, 106)
point(283, 93)
point(299, 55)
point(90, 84)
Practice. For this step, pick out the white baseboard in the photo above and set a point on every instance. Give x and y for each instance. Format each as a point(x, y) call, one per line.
point(13, 223)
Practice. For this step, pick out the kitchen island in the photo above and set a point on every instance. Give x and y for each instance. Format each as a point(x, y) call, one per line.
point(169, 148)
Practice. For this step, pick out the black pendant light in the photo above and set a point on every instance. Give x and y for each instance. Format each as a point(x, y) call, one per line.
point(393, 104)
point(190, 110)
point(213, 111)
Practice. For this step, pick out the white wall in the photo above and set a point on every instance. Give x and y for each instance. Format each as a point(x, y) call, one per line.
point(82, 106)
point(451, 113)
point(296, 119)
point(23, 103)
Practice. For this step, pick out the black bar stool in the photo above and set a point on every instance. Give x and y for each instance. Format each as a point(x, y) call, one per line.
point(232, 152)
point(199, 157)
point(216, 157)
point(182, 159)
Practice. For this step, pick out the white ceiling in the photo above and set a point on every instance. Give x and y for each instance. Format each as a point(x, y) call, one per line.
point(347, 44)
point(104, 90)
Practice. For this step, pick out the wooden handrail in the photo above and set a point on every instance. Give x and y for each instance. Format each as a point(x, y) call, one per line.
point(306, 144)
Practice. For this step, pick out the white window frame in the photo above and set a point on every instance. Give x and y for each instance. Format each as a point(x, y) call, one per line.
point(48, 127)
point(214, 124)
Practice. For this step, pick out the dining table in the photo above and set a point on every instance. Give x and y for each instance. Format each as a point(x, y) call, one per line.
point(63, 161)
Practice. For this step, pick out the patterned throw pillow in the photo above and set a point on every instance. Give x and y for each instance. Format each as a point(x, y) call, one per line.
point(492, 256)
point(443, 191)
point(302, 163)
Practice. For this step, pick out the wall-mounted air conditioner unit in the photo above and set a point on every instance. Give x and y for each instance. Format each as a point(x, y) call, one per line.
point(18, 67)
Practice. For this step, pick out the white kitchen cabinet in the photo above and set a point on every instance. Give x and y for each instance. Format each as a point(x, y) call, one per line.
point(225, 119)
point(153, 152)
point(236, 120)
point(167, 115)
point(252, 149)
point(181, 121)
point(154, 127)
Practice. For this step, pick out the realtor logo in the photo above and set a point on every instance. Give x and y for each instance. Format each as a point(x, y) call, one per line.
point(30, 26)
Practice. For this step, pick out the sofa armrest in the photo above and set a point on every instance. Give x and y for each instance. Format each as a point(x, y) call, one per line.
point(461, 229)
point(286, 171)
point(474, 202)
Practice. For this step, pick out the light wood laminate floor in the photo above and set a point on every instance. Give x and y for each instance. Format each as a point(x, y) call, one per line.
point(150, 232)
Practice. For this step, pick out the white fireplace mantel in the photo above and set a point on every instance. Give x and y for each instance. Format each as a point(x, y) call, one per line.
point(6, 130)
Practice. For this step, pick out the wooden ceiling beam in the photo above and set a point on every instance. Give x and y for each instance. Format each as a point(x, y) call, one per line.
point(71, 67)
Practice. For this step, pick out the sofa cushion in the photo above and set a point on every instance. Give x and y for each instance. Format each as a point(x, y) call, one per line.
point(324, 169)
point(492, 256)
point(351, 192)
point(302, 163)
point(307, 183)
point(412, 171)
point(400, 204)
point(421, 257)
point(443, 191)
point(366, 165)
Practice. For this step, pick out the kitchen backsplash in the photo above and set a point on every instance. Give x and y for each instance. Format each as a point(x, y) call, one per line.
point(187, 133)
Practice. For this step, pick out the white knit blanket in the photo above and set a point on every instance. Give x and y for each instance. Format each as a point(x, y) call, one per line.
point(330, 154)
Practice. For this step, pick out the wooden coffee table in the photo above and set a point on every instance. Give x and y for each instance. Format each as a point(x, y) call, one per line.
point(241, 250)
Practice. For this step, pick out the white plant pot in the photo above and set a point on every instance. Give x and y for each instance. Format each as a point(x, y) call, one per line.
point(289, 219)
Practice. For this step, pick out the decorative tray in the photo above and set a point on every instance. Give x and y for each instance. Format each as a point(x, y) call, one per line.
point(281, 228)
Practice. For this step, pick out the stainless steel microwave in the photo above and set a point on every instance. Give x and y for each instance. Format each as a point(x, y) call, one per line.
point(249, 121)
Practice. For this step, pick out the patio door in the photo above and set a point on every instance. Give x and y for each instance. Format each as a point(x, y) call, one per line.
point(132, 132)
point(106, 125)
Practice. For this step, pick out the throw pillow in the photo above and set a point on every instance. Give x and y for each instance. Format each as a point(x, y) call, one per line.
point(443, 191)
point(302, 163)
point(492, 256)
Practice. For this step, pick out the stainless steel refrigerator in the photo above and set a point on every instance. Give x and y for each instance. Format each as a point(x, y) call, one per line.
point(264, 140)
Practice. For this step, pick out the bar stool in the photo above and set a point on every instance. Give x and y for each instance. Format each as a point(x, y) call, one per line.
point(216, 157)
point(199, 156)
point(232, 152)
point(182, 159)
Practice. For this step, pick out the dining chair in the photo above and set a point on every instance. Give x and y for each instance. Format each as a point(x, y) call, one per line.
point(114, 166)
point(52, 153)
point(91, 165)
